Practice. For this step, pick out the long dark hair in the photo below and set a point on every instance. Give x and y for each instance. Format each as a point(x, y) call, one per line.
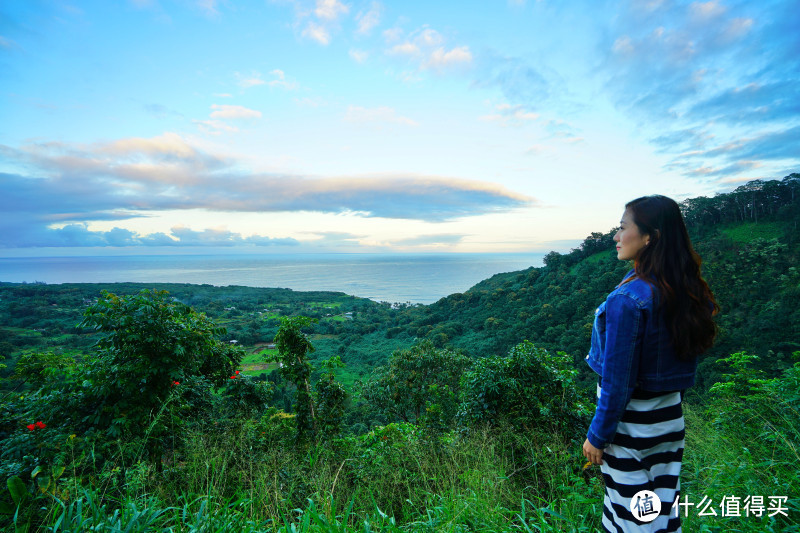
point(671, 264)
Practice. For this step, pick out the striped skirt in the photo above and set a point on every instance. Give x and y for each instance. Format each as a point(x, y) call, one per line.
point(645, 454)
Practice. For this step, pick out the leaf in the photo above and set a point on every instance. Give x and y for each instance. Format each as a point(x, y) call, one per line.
point(43, 483)
point(19, 493)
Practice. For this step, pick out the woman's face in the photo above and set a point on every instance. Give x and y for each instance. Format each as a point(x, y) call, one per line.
point(629, 241)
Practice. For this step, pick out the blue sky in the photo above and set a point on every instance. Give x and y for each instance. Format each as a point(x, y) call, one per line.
point(144, 126)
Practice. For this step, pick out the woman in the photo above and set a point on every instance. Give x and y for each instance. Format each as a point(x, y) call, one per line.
point(646, 338)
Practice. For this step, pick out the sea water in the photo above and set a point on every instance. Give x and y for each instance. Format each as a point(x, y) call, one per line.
point(381, 277)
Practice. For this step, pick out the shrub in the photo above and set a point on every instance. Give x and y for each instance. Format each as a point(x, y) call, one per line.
point(527, 389)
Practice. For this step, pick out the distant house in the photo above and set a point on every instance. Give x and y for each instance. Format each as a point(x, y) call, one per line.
point(234, 341)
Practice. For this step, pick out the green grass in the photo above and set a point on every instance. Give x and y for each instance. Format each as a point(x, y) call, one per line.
point(243, 478)
point(327, 305)
point(253, 364)
point(590, 261)
point(748, 231)
point(232, 480)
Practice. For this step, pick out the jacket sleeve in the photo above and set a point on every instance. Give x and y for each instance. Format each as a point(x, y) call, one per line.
point(621, 358)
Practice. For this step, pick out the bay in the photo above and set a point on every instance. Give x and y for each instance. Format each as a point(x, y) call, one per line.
point(414, 279)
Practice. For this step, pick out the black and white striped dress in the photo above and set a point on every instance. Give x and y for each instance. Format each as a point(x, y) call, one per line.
point(645, 454)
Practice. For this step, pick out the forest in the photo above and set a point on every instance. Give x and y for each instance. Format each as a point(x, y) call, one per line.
point(176, 407)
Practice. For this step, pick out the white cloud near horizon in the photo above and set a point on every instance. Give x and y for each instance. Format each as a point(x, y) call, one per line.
point(74, 184)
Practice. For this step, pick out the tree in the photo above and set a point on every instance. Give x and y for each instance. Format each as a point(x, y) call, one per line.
point(149, 344)
point(529, 388)
point(418, 382)
point(292, 358)
point(330, 398)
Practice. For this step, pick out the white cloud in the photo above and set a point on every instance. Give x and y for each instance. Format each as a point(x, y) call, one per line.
point(376, 114)
point(309, 102)
point(215, 127)
point(140, 177)
point(705, 11)
point(359, 56)
point(737, 29)
point(406, 49)
point(442, 59)
point(221, 113)
point(429, 37)
point(623, 45)
point(209, 7)
point(249, 80)
point(322, 22)
point(507, 114)
point(234, 112)
point(392, 35)
point(255, 78)
point(426, 46)
point(318, 33)
point(168, 145)
point(367, 20)
point(279, 80)
point(330, 9)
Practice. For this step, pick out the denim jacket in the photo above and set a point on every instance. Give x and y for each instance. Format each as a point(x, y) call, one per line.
point(631, 349)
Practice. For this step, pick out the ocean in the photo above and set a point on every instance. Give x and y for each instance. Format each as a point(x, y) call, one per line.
point(399, 278)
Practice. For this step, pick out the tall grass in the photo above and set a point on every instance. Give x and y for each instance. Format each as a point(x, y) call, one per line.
point(240, 478)
point(233, 481)
point(735, 461)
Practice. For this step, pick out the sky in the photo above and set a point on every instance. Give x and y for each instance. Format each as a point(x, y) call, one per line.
point(317, 126)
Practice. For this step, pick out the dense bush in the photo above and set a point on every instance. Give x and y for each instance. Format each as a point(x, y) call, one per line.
point(528, 389)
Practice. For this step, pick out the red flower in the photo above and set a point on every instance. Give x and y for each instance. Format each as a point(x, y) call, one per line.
point(31, 426)
point(41, 425)
point(176, 383)
point(237, 372)
point(232, 377)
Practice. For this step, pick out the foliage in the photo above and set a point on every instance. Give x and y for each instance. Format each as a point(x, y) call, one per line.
point(528, 389)
point(128, 398)
point(150, 344)
point(419, 385)
point(244, 397)
point(293, 348)
point(330, 397)
point(742, 441)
